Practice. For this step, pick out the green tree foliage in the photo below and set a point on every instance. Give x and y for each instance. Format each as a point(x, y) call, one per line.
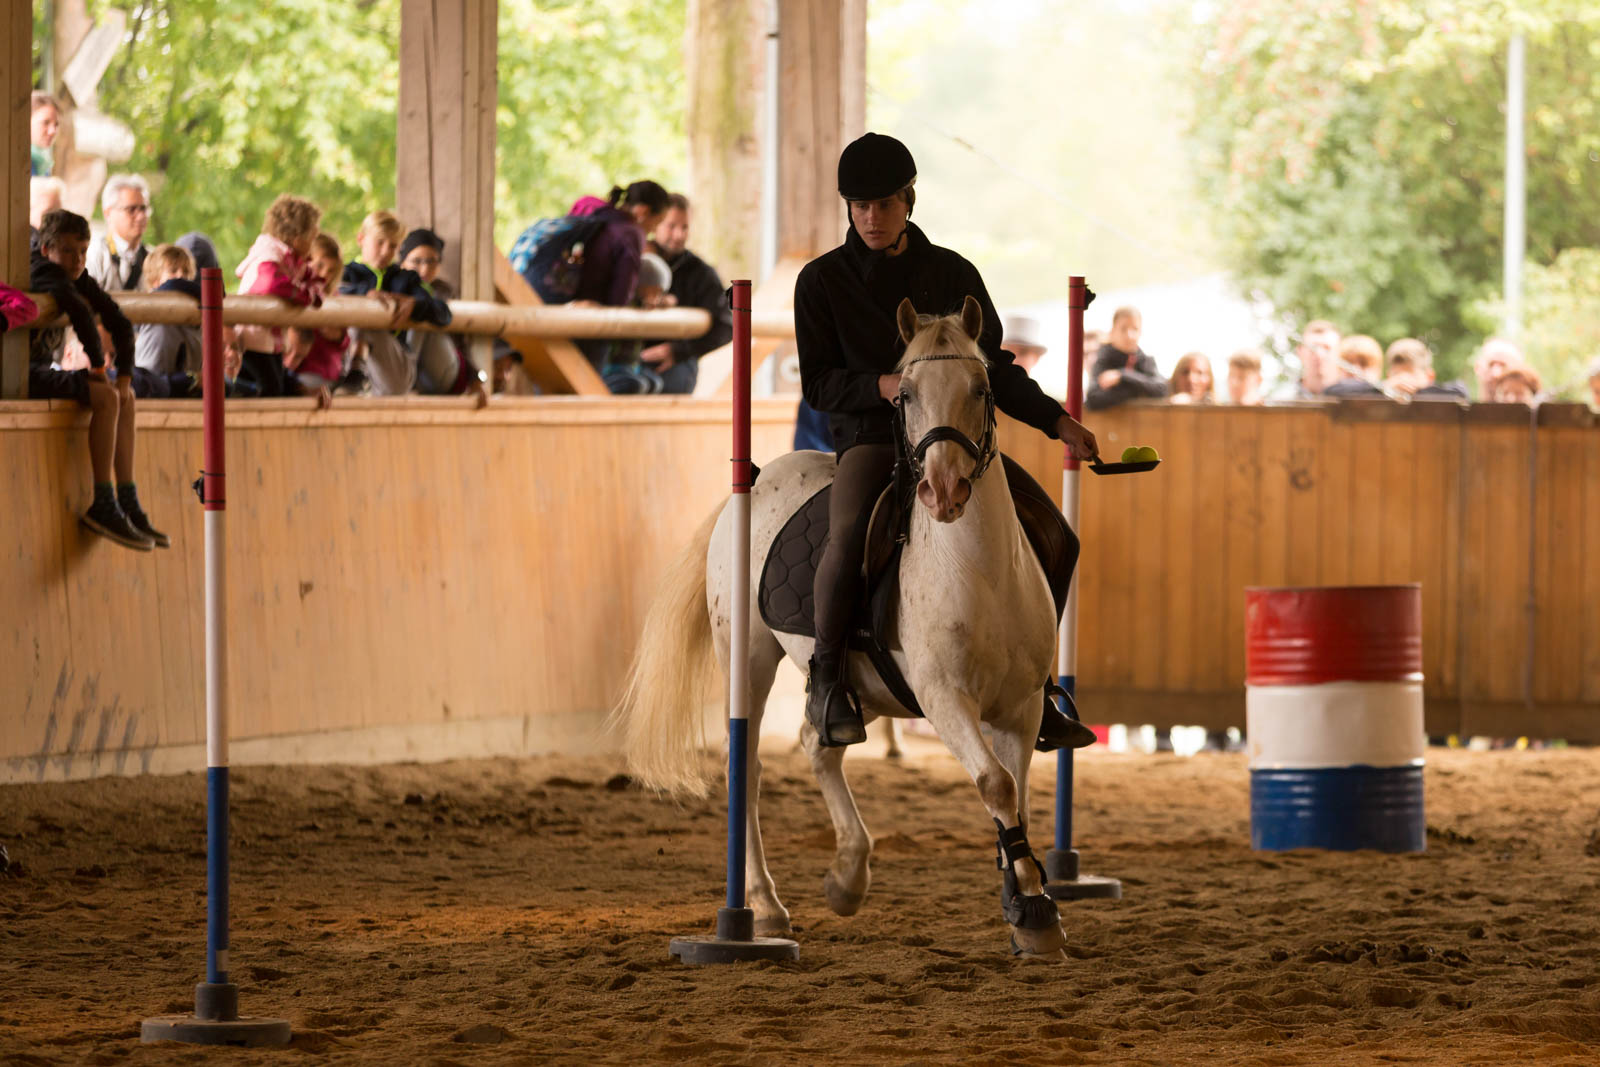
point(1561, 312)
point(236, 101)
point(1352, 154)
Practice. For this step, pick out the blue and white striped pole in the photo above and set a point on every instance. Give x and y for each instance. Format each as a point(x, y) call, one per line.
point(216, 1018)
point(735, 938)
point(1063, 880)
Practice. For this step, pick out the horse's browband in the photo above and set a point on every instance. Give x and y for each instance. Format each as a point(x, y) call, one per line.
point(951, 355)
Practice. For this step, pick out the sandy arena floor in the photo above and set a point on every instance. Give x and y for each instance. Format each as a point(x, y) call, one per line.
point(506, 911)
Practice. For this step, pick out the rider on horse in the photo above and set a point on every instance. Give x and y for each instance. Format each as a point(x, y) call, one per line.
point(844, 308)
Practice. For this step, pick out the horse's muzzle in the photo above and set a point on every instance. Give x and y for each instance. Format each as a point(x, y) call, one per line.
point(944, 494)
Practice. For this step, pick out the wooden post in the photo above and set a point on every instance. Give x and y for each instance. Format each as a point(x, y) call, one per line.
point(16, 66)
point(724, 52)
point(823, 77)
point(445, 137)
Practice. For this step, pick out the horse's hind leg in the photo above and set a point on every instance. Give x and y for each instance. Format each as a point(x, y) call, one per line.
point(761, 895)
point(845, 885)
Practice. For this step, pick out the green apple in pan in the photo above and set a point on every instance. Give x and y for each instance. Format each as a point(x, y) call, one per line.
point(1145, 454)
point(1130, 454)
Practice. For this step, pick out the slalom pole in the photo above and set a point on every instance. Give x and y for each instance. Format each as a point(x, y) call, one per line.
point(1063, 880)
point(216, 1019)
point(735, 938)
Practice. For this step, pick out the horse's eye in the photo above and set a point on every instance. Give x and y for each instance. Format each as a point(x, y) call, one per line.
point(905, 396)
point(981, 392)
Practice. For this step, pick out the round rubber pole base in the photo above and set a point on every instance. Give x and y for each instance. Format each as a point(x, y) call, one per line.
point(1064, 882)
point(243, 1033)
point(734, 942)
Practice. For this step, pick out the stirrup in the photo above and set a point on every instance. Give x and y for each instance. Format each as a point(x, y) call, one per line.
point(822, 699)
point(1058, 729)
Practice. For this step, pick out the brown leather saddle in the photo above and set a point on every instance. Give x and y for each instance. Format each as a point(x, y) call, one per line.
point(785, 594)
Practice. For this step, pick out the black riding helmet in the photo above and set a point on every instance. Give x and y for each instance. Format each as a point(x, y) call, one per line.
point(875, 166)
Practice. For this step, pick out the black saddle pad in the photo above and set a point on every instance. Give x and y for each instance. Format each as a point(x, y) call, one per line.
point(785, 597)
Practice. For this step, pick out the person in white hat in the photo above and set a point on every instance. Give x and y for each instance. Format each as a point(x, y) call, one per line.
point(1024, 341)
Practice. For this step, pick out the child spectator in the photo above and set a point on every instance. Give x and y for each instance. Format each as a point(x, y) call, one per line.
point(167, 355)
point(1493, 359)
point(316, 358)
point(1361, 364)
point(16, 310)
point(1191, 381)
point(43, 124)
point(391, 364)
point(1411, 373)
point(57, 268)
point(1244, 377)
point(1122, 371)
point(1518, 385)
point(278, 264)
point(442, 363)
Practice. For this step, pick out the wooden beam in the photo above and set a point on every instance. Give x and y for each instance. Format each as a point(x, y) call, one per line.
point(724, 66)
point(473, 317)
point(16, 63)
point(554, 364)
point(822, 79)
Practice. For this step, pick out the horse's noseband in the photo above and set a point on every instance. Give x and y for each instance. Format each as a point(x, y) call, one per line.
point(982, 451)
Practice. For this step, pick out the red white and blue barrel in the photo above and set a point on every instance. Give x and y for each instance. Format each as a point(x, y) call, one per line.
point(1333, 717)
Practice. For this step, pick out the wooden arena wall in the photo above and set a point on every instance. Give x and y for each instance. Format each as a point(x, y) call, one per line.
point(418, 580)
point(1499, 521)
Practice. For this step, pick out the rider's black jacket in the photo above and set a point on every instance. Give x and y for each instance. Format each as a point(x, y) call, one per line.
point(844, 320)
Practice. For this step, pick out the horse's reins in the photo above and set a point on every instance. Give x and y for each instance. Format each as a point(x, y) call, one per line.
point(982, 451)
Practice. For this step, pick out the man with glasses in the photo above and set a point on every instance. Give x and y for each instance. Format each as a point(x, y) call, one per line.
point(116, 257)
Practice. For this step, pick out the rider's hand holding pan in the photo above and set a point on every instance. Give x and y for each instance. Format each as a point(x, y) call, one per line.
point(1079, 441)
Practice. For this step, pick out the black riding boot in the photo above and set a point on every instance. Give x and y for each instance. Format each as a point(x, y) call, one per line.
point(832, 706)
point(1058, 730)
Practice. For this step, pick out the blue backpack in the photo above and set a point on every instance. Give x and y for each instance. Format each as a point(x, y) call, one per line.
point(549, 255)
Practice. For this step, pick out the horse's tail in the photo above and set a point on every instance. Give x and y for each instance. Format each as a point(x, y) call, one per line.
point(661, 714)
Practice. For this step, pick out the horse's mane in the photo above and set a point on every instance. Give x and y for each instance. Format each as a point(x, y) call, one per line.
point(940, 335)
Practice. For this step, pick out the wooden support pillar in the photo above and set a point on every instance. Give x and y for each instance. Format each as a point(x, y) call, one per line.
point(725, 61)
point(16, 66)
point(822, 107)
point(444, 173)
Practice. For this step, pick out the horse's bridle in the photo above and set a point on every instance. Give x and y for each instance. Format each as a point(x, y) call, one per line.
point(982, 451)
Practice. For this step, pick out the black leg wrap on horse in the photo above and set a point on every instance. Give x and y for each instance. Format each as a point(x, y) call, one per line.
point(1022, 911)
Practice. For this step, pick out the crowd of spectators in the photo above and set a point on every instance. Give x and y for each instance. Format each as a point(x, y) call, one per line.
point(1332, 366)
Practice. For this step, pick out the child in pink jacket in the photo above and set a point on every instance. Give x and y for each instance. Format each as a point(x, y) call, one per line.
point(279, 264)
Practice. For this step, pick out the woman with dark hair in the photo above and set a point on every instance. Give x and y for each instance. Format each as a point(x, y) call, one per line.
point(610, 256)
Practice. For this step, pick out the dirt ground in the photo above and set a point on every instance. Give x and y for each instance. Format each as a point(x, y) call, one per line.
point(518, 911)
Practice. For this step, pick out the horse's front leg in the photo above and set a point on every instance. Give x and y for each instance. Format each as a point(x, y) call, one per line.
point(1002, 784)
point(845, 885)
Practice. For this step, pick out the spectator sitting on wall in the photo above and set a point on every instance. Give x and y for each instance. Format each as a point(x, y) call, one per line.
point(1318, 353)
point(1244, 377)
point(1411, 373)
point(695, 284)
point(316, 358)
point(443, 367)
point(116, 257)
point(1020, 336)
point(57, 268)
point(610, 269)
point(1494, 358)
point(278, 264)
point(1359, 366)
point(44, 123)
point(167, 356)
point(1191, 380)
point(623, 370)
point(1518, 385)
point(391, 361)
point(1121, 370)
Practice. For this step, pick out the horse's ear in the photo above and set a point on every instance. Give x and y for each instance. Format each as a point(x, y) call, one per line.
point(905, 316)
point(972, 318)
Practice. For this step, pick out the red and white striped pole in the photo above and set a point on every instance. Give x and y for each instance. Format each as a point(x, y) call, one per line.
point(1063, 880)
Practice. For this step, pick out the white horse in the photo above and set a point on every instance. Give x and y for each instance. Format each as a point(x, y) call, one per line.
point(976, 627)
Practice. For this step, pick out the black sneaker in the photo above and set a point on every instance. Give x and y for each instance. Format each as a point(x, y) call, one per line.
point(108, 520)
point(141, 522)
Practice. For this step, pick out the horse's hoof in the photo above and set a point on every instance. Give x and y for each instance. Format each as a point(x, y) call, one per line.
point(840, 899)
point(1049, 941)
point(773, 926)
